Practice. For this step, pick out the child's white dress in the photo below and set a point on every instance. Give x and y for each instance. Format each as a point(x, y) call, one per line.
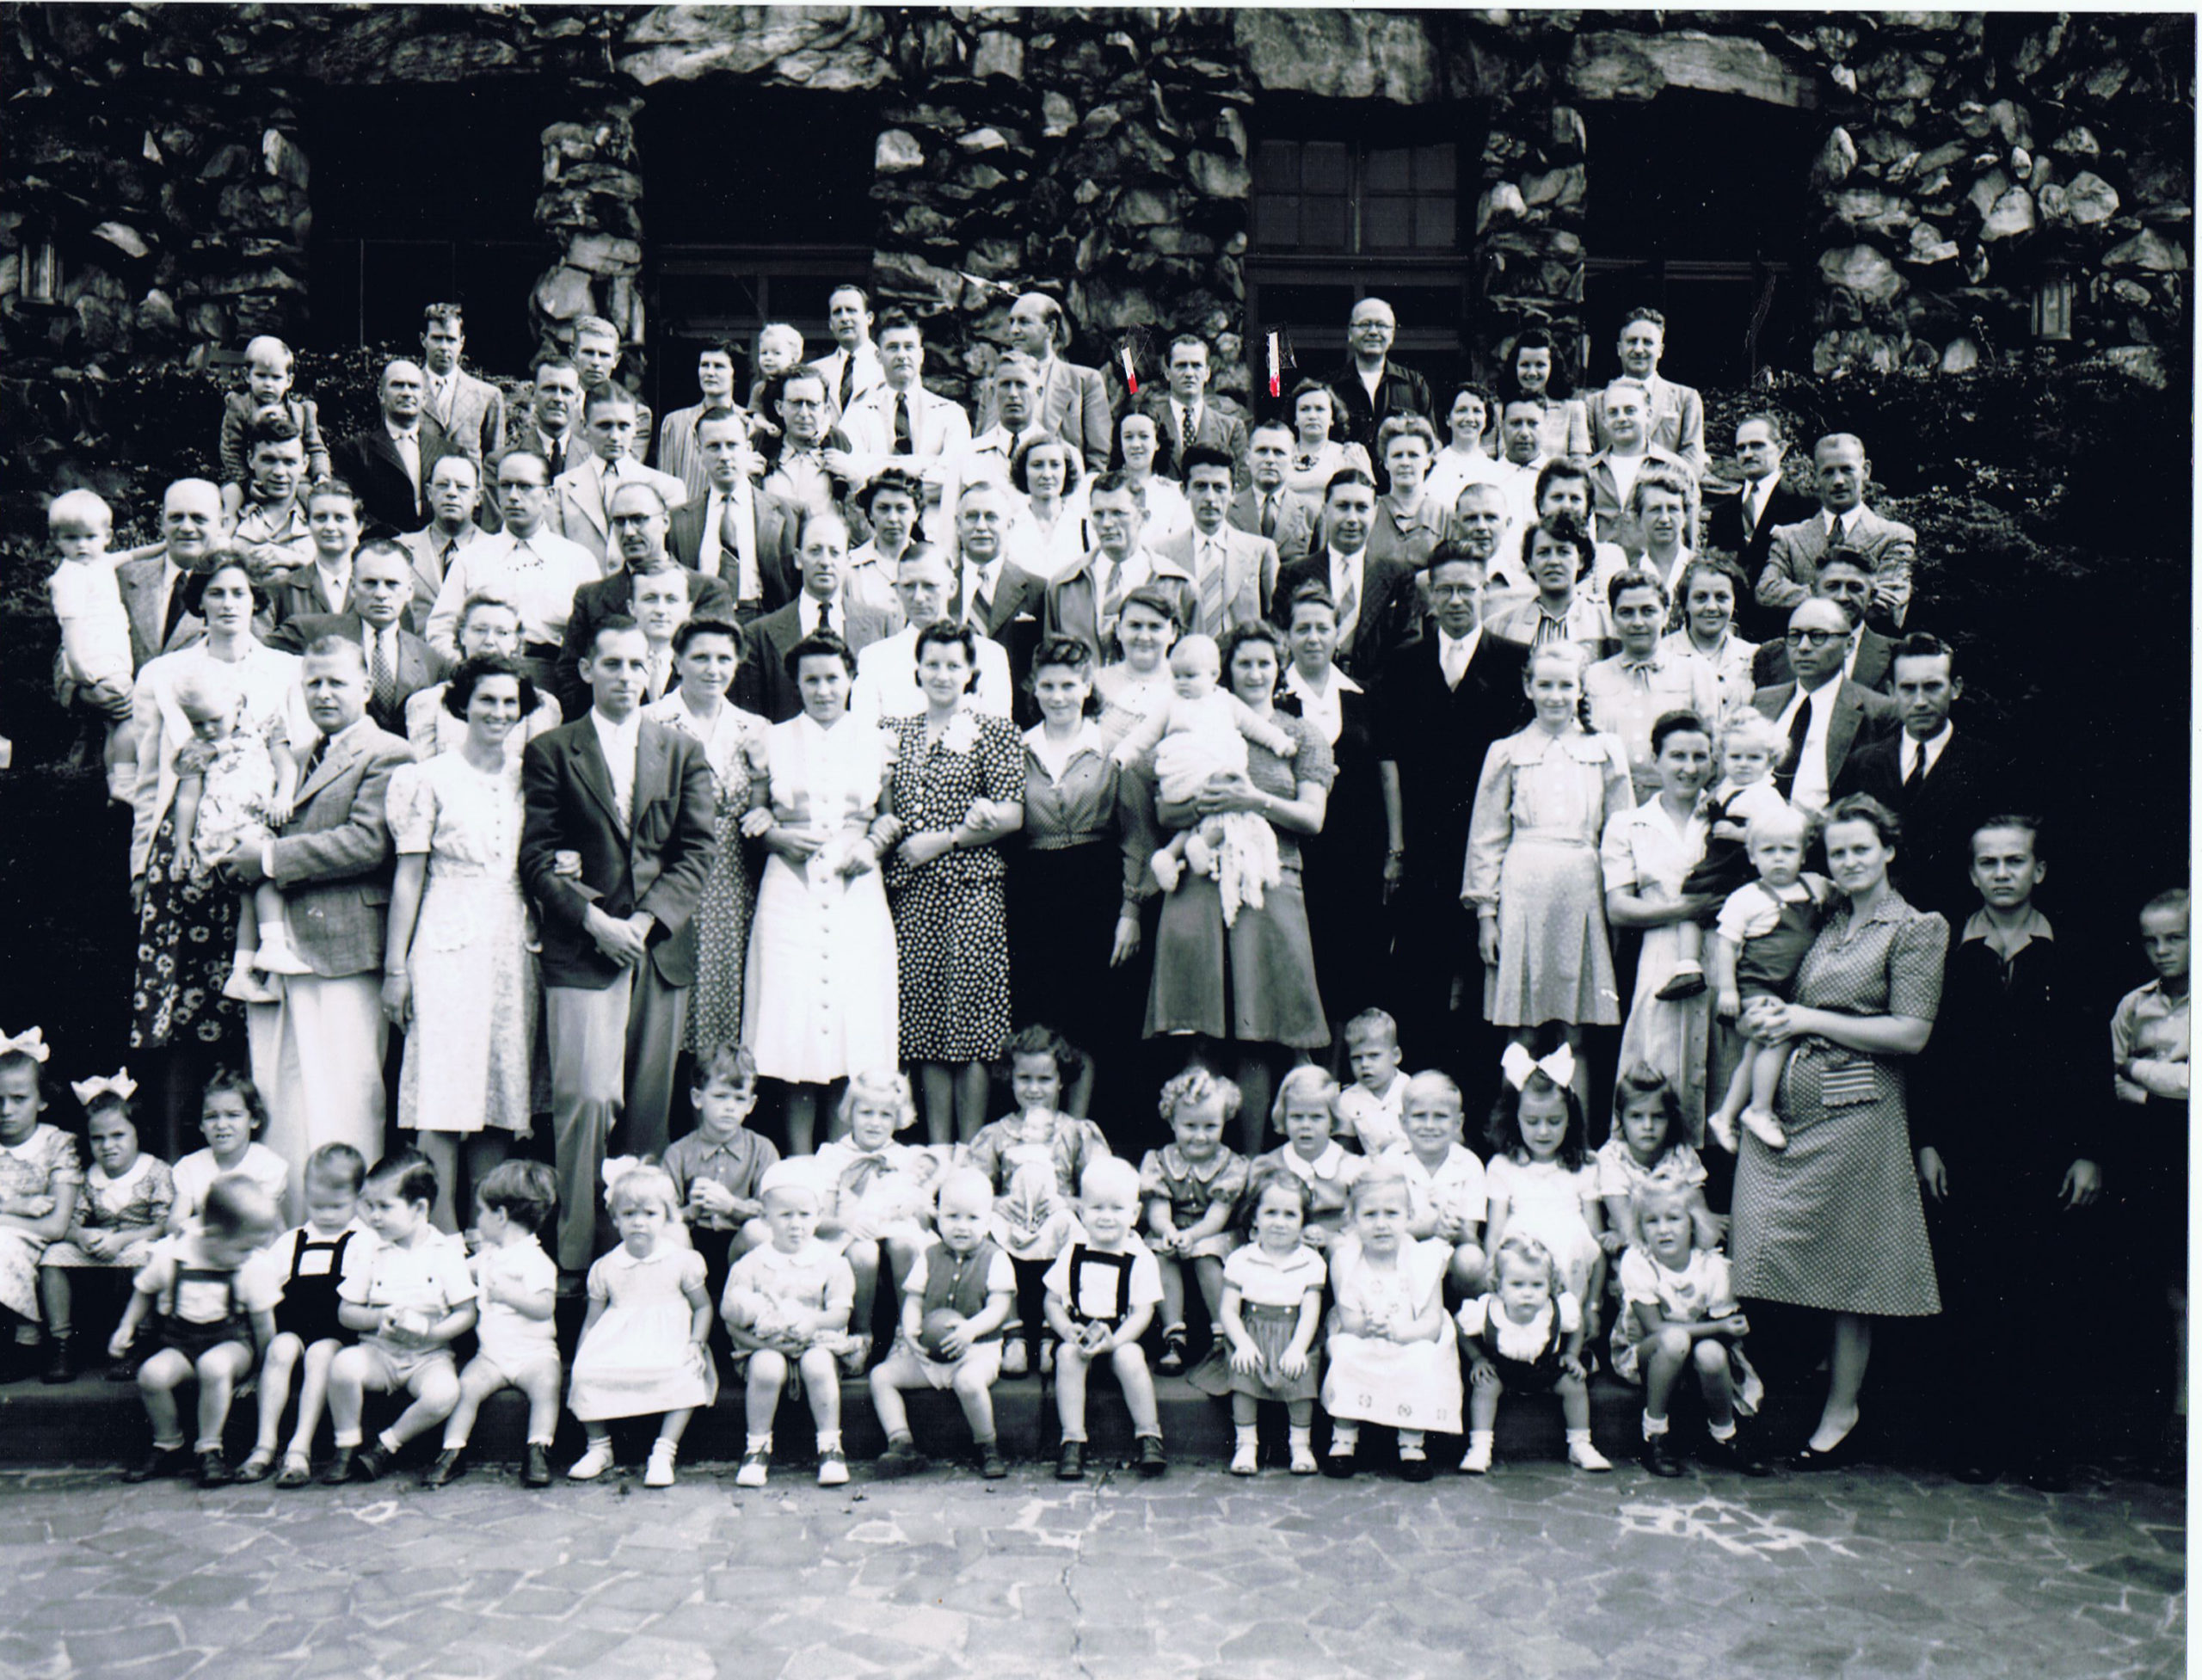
point(1372, 1380)
point(1678, 1169)
point(238, 780)
point(1546, 1201)
point(637, 1358)
point(1192, 740)
point(95, 628)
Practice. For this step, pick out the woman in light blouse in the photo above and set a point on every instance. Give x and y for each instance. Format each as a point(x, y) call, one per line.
point(1049, 534)
point(1705, 615)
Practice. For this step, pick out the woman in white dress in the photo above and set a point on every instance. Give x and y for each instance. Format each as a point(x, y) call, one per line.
point(1644, 854)
point(458, 978)
point(818, 1000)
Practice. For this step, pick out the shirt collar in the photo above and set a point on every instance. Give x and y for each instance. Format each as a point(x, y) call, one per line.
point(611, 734)
point(1339, 683)
point(1328, 1165)
point(2008, 945)
point(1056, 760)
point(1933, 746)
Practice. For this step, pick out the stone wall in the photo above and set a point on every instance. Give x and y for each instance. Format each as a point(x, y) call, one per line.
point(591, 208)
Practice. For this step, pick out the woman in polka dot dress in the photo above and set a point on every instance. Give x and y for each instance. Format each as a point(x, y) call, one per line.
point(958, 785)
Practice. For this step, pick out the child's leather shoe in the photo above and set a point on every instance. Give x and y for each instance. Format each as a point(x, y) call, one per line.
point(833, 1469)
point(159, 1462)
point(338, 1470)
point(450, 1466)
point(1658, 1456)
point(536, 1473)
point(756, 1464)
point(1070, 1466)
point(992, 1465)
point(372, 1463)
point(901, 1458)
point(213, 1472)
point(1152, 1460)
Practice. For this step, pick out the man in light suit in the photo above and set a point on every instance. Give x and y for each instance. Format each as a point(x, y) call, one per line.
point(1234, 572)
point(852, 366)
point(317, 1054)
point(735, 530)
point(454, 496)
point(582, 493)
point(1266, 507)
point(1379, 607)
point(1084, 600)
point(1628, 450)
point(191, 526)
point(635, 799)
point(471, 411)
point(1825, 714)
point(596, 354)
point(638, 533)
point(1073, 401)
point(898, 423)
point(1441, 702)
point(1743, 526)
point(399, 663)
point(1847, 579)
point(1184, 416)
point(1942, 781)
point(388, 463)
point(764, 685)
point(1676, 419)
point(1843, 522)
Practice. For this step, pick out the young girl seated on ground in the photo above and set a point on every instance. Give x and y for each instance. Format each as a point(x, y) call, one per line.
point(1759, 943)
point(41, 1177)
point(878, 1205)
point(211, 1296)
point(308, 1331)
point(120, 1214)
point(1526, 1335)
point(1102, 1293)
point(957, 1295)
point(1034, 1158)
point(1541, 1182)
point(230, 1116)
point(1752, 747)
point(787, 1309)
point(1647, 1147)
point(1391, 1353)
point(516, 1284)
point(1272, 1308)
point(642, 1347)
point(1191, 1187)
point(1678, 1312)
point(1202, 731)
point(234, 786)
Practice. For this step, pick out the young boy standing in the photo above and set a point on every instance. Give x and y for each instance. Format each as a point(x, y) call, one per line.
point(517, 1284)
point(718, 1167)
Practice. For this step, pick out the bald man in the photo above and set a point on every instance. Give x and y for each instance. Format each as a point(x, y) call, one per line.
point(388, 463)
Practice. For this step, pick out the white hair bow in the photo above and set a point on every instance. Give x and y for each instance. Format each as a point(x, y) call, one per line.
point(31, 1044)
point(1518, 1064)
point(119, 1084)
point(617, 1167)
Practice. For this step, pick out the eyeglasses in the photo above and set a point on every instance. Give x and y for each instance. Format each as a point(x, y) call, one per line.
point(1813, 638)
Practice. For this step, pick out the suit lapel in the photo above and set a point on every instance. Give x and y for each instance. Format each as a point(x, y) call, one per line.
point(653, 751)
point(592, 773)
point(335, 760)
point(1842, 728)
point(586, 492)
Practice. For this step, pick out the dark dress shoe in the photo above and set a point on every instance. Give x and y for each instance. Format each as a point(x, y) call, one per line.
point(160, 1462)
point(537, 1471)
point(1338, 1467)
point(1809, 1460)
point(338, 1470)
point(1416, 1469)
point(1152, 1461)
point(992, 1465)
point(1658, 1457)
point(371, 1463)
point(1736, 1453)
point(62, 1367)
point(212, 1472)
point(1071, 1465)
point(449, 1467)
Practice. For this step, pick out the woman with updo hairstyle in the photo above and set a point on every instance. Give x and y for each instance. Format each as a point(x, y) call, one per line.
point(819, 990)
point(186, 920)
point(1832, 1219)
point(956, 788)
point(1078, 879)
point(457, 981)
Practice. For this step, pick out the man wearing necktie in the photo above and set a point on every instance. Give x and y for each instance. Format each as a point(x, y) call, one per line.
point(1823, 712)
point(1264, 508)
point(1185, 417)
point(399, 663)
point(635, 799)
point(526, 564)
point(454, 494)
point(584, 492)
point(387, 463)
point(899, 423)
point(810, 445)
point(638, 535)
point(1235, 573)
point(852, 368)
point(317, 1054)
point(765, 685)
point(1084, 601)
point(471, 411)
point(1843, 522)
point(1378, 604)
point(548, 428)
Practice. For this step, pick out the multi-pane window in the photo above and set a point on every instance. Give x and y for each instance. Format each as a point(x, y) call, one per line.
point(1348, 197)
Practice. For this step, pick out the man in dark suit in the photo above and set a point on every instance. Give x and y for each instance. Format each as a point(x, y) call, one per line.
point(1743, 526)
point(399, 663)
point(635, 800)
point(1266, 507)
point(1370, 388)
point(1379, 607)
point(317, 1054)
point(1943, 782)
point(1185, 416)
point(735, 531)
point(1825, 714)
point(1847, 579)
point(639, 523)
point(388, 464)
point(1441, 703)
point(764, 685)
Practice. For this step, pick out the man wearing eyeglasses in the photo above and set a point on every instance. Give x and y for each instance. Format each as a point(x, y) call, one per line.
point(1825, 714)
point(1847, 579)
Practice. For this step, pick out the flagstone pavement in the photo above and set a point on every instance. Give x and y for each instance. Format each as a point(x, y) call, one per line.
point(1535, 1571)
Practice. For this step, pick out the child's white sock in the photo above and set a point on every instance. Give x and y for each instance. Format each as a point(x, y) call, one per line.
point(1722, 1431)
point(830, 1440)
point(387, 1441)
point(1299, 1435)
point(1344, 1438)
point(1477, 1458)
point(1411, 1445)
point(1653, 1427)
point(759, 1442)
point(1246, 1437)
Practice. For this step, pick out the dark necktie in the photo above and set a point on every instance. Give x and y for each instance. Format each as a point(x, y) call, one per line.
point(1918, 771)
point(385, 679)
point(902, 424)
point(175, 615)
point(1800, 726)
point(314, 756)
point(848, 380)
point(556, 451)
point(1269, 516)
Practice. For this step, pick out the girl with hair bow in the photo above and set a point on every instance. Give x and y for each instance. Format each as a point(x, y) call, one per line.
point(40, 1178)
point(120, 1214)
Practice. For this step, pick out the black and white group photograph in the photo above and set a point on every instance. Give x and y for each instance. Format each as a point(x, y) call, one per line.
point(1232, 842)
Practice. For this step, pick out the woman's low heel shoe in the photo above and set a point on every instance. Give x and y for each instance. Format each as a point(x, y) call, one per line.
point(1842, 1454)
